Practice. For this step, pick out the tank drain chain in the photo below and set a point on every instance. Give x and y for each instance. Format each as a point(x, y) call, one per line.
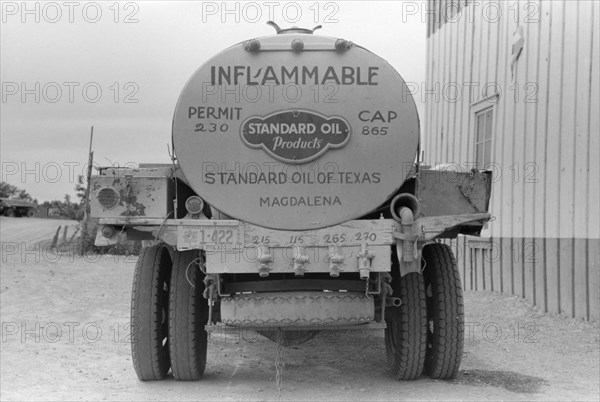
point(279, 365)
point(471, 186)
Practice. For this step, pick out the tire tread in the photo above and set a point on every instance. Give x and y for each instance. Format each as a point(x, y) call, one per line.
point(410, 321)
point(188, 315)
point(149, 362)
point(444, 355)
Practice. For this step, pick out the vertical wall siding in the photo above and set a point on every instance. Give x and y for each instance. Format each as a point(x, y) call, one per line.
point(526, 273)
point(544, 244)
point(593, 163)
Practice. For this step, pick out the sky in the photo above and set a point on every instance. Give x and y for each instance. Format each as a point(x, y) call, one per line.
point(120, 66)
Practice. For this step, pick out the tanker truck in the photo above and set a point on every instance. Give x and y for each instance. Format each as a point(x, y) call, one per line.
point(17, 208)
point(295, 203)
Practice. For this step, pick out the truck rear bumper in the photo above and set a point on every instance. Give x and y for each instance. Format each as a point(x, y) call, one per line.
point(233, 246)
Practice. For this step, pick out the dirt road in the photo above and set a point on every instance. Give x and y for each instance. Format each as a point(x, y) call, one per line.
point(65, 336)
point(31, 231)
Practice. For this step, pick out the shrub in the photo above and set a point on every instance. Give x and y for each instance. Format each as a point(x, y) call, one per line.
point(123, 246)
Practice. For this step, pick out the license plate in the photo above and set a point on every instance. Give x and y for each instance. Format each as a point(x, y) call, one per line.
point(210, 237)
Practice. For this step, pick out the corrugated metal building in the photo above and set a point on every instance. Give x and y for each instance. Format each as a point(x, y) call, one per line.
point(513, 86)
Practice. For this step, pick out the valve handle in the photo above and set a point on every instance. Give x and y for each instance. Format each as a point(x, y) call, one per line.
point(278, 29)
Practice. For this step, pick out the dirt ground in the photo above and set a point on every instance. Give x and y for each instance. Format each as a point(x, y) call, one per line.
point(65, 336)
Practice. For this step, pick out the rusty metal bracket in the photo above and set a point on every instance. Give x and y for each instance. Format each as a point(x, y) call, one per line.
point(405, 236)
point(432, 226)
point(210, 288)
point(407, 243)
point(228, 329)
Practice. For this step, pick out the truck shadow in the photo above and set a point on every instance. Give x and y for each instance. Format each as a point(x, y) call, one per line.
point(348, 360)
point(509, 380)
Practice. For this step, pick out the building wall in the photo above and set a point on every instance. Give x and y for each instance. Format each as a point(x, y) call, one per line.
point(544, 241)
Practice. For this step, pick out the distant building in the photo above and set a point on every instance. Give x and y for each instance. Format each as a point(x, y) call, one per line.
point(513, 86)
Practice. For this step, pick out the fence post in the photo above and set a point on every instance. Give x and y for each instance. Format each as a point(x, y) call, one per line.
point(55, 238)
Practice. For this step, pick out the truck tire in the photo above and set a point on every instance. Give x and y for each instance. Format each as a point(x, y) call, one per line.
point(445, 312)
point(30, 213)
point(188, 316)
point(10, 212)
point(406, 331)
point(149, 313)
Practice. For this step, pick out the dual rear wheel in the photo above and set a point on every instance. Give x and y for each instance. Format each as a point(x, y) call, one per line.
point(168, 315)
point(425, 334)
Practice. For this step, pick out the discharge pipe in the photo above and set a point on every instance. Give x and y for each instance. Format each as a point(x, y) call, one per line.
point(393, 302)
point(404, 208)
point(404, 200)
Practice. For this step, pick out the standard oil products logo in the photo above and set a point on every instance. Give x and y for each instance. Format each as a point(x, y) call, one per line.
point(295, 136)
